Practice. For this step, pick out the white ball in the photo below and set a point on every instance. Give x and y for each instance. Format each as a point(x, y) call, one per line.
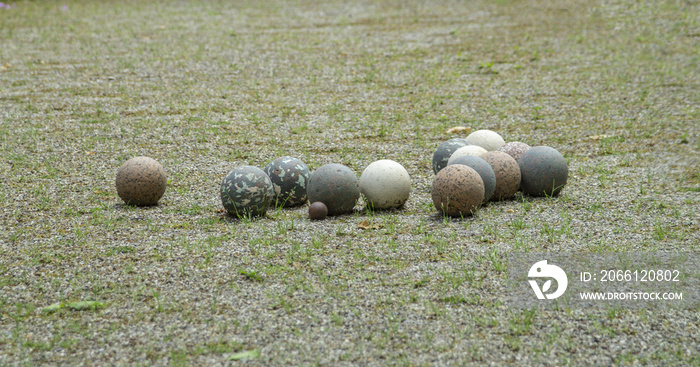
point(468, 150)
point(486, 139)
point(385, 184)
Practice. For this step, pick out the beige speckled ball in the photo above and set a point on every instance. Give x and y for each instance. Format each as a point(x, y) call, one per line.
point(507, 173)
point(514, 149)
point(141, 181)
point(457, 190)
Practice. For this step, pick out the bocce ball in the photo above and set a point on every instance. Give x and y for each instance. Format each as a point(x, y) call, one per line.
point(334, 185)
point(141, 181)
point(484, 170)
point(507, 174)
point(289, 177)
point(466, 150)
point(514, 149)
point(544, 171)
point(318, 211)
point(385, 184)
point(457, 191)
point(246, 191)
point(444, 151)
point(487, 139)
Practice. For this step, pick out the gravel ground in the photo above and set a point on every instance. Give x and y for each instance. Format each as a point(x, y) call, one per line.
point(203, 87)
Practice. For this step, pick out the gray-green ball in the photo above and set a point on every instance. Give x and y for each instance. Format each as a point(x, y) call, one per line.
point(544, 171)
point(336, 186)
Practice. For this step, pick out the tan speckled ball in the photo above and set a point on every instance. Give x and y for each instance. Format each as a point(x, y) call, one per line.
point(457, 191)
point(507, 173)
point(141, 181)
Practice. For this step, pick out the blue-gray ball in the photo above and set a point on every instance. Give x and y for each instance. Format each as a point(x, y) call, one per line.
point(246, 191)
point(444, 151)
point(484, 170)
point(336, 186)
point(289, 177)
point(544, 171)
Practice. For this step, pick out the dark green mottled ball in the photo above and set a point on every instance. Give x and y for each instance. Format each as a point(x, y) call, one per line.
point(289, 177)
point(246, 191)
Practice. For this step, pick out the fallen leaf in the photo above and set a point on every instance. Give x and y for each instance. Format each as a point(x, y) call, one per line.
point(366, 225)
point(599, 137)
point(251, 354)
point(363, 225)
point(458, 129)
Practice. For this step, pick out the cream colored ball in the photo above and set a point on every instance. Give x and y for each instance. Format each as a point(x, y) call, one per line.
point(467, 150)
point(385, 184)
point(487, 139)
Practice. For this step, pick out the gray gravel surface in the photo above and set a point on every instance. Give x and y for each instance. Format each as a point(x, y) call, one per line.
point(203, 87)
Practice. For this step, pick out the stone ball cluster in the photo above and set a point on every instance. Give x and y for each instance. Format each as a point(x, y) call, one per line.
point(492, 170)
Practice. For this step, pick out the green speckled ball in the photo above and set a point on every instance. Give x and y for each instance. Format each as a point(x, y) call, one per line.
point(246, 191)
point(289, 177)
